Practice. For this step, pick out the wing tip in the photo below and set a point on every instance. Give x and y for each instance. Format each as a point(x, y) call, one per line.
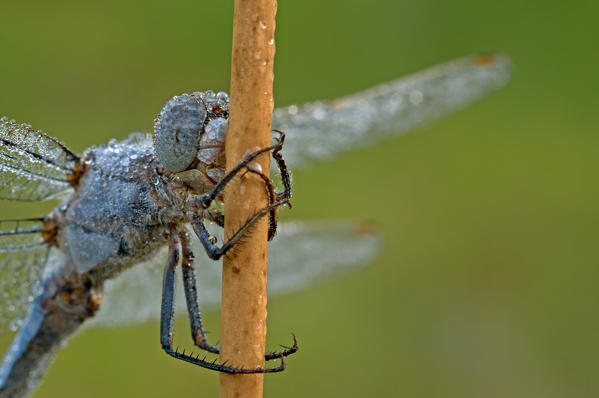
point(495, 61)
point(490, 58)
point(366, 228)
point(492, 69)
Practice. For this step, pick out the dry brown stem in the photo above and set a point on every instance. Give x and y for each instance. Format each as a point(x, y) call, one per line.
point(243, 327)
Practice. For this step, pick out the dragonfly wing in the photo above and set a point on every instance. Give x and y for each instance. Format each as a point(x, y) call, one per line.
point(23, 256)
point(320, 130)
point(304, 253)
point(33, 165)
point(300, 254)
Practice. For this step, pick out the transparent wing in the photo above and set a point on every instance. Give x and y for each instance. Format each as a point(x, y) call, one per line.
point(23, 255)
point(299, 255)
point(33, 165)
point(319, 130)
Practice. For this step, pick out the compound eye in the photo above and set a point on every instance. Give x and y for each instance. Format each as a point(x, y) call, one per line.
point(177, 131)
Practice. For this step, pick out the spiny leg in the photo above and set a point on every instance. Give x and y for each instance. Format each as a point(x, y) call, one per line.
point(206, 199)
point(218, 217)
point(277, 198)
point(285, 179)
point(191, 296)
point(284, 196)
point(167, 315)
point(195, 318)
point(270, 190)
point(283, 170)
point(167, 307)
point(215, 252)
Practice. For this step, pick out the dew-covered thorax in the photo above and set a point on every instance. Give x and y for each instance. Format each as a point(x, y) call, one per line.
point(115, 208)
point(126, 198)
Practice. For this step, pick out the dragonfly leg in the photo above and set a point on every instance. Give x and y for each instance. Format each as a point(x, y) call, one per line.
point(218, 218)
point(285, 177)
point(215, 252)
point(270, 190)
point(205, 200)
point(191, 295)
point(198, 334)
point(275, 199)
point(167, 315)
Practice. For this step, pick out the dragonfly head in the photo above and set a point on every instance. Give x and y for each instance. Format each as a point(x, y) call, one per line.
point(189, 131)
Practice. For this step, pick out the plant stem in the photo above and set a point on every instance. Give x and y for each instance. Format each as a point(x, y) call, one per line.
point(243, 325)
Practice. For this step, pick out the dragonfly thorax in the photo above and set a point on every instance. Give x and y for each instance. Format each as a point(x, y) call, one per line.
point(118, 211)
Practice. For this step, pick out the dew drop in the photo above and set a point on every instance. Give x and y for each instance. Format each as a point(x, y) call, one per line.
point(210, 96)
point(319, 114)
point(416, 97)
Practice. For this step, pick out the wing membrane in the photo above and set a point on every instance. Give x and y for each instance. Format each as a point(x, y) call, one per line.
point(33, 165)
point(320, 130)
point(299, 254)
point(23, 254)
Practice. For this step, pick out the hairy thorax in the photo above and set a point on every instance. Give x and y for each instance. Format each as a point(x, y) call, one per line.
point(121, 208)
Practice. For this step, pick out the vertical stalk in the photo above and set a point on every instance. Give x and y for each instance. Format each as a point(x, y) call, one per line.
point(243, 327)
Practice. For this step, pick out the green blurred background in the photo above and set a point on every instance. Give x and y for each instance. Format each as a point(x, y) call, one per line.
point(486, 285)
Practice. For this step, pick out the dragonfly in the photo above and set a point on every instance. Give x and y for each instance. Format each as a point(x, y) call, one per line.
point(128, 208)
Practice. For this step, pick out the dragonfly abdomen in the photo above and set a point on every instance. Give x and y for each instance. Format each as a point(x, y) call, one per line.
point(65, 303)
